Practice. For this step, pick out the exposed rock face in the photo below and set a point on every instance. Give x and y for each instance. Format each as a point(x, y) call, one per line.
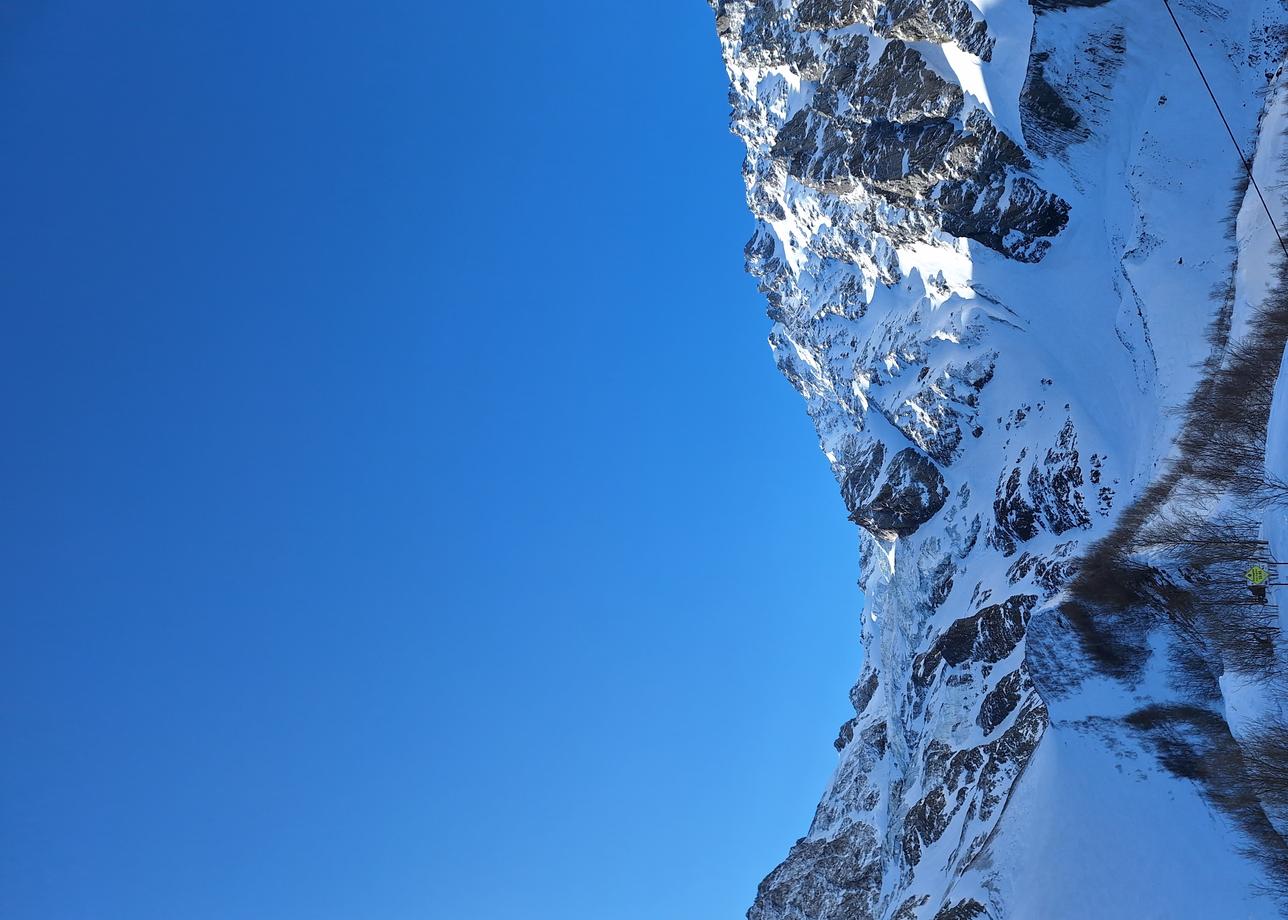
point(952, 20)
point(987, 636)
point(986, 232)
point(904, 133)
point(911, 494)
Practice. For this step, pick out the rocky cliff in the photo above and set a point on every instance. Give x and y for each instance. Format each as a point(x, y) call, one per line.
point(1015, 268)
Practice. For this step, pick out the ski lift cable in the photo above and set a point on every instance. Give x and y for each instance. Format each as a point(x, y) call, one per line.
point(1228, 130)
point(1233, 542)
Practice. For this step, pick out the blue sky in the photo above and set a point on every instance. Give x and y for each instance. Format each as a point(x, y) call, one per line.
point(403, 517)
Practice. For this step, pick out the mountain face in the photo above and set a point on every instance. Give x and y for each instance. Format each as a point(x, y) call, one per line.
point(1016, 269)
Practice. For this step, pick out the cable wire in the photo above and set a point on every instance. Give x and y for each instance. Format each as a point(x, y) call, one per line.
point(1228, 130)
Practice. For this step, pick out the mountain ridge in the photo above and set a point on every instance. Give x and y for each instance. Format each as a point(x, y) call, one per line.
point(989, 238)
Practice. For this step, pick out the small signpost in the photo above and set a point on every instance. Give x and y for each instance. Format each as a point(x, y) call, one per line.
point(1257, 578)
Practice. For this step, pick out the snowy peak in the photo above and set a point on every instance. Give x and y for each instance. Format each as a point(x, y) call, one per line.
point(998, 249)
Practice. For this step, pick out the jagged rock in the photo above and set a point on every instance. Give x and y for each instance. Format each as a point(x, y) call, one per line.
point(967, 909)
point(969, 779)
point(1048, 498)
point(827, 879)
point(845, 735)
point(912, 493)
point(1015, 517)
point(939, 581)
point(874, 736)
point(1000, 702)
point(914, 20)
point(1047, 572)
point(908, 909)
point(987, 636)
point(862, 692)
point(901, 130)
point(1055, 486)
point(862, 476)
point(926, 822)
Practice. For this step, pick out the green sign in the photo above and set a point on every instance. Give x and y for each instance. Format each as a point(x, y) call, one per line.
point(1257, 575)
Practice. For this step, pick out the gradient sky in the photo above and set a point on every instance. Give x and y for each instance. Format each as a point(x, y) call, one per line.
point(402, 515)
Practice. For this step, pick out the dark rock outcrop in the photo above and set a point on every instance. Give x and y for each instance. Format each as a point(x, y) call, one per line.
point(1000, 702)
point(987, 636)
point(831, 879)
point(911, 494)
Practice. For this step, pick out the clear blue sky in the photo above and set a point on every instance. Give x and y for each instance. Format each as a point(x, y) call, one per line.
point(402, 516)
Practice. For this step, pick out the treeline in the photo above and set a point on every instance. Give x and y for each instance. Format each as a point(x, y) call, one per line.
point(1177, 558)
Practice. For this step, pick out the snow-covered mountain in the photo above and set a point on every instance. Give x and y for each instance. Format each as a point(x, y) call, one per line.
point(1016, 270)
